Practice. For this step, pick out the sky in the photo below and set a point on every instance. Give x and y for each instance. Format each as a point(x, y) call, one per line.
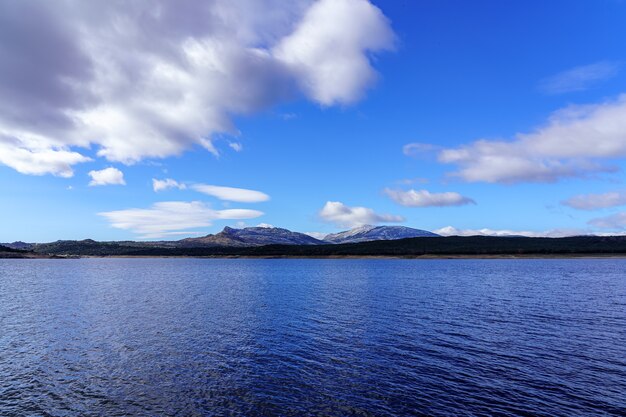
point(162, 120)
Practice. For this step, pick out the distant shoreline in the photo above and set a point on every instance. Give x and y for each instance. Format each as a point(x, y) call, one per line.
point(473, 247)
point(382, 257)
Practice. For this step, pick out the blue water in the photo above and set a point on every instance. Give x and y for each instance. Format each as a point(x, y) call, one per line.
point(193, 337)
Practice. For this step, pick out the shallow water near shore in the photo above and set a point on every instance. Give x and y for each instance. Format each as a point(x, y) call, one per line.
point(289, 337)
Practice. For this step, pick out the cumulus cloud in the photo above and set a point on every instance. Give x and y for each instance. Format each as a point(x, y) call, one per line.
point(155, 78)
point(29, 157)
point(579, 78)
point(328, 49)
point(577, 141)
point(166, 184)
point(107, 176)
point(172, 217)
point(344, 216)
point(240, 195)
point(596, 201)
point(424, 198)
point(453, 231)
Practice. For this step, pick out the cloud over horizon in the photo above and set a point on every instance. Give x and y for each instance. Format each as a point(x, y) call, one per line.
point(172, 218)
point(596, 201)
point(615, 221)
point(344, 216)
point(453, 231)
point(154, 79)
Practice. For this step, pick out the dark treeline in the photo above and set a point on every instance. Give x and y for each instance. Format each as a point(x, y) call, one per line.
point(6, 252)
point(421, 246)
point(10, 250)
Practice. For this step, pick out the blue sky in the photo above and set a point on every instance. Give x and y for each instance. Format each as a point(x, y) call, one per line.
point(463, 117)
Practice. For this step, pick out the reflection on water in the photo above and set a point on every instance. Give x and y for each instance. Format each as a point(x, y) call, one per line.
point(312, 337)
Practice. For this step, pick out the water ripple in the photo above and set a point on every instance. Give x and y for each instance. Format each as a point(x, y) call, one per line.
point(185, 337)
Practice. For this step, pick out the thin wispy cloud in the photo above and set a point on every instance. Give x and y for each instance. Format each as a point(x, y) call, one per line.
point(107, 176)
point(240, 195)
point(344, 216)
point(424, 198)
point(579, 78)
point(419, 149)
point(236, 146)
point(288, 116)
point(596, 201)
point(154, 79)
point(411, 181)
point(577, 141)
point(172, 218)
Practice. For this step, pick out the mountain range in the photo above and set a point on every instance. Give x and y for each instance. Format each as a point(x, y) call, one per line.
point(246, 237)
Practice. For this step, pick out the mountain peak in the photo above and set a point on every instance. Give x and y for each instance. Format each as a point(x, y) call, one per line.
point(252, 236)
point(368, 232)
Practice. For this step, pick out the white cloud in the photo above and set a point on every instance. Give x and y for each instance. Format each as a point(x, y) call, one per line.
point(172, 217)
point(596, 201)
point(329, 49)
point(453, 231)
point(162, 185)
point(154, 79)
point(34, 158)
point(236, 146)
point(576, 141)
point(579, 78)
point(107, 176)
point(344, 216)
point(615, 221)
point(265, 225)
point(424, 198)
point(240, 195)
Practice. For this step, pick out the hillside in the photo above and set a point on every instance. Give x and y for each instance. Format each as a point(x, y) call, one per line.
point(11, 253)
point(251, 236)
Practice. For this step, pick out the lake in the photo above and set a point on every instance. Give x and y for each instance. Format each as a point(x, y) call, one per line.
point(269, 337)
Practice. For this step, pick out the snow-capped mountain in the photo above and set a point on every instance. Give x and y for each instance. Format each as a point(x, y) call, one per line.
point(367, 233)
point(251, 236)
